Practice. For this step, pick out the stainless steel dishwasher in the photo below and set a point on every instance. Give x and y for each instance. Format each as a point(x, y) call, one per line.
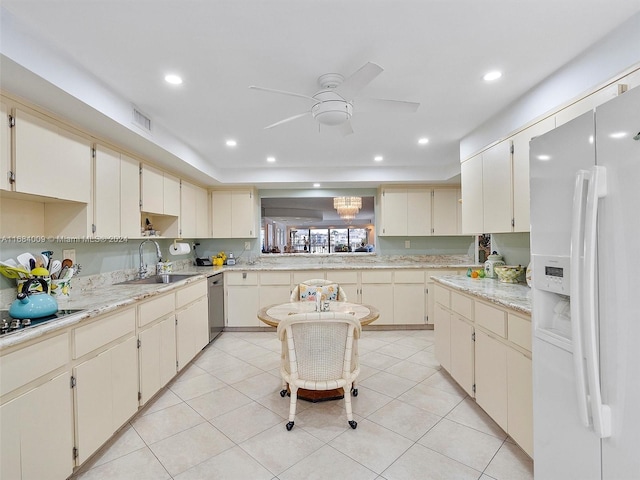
point(216, 305)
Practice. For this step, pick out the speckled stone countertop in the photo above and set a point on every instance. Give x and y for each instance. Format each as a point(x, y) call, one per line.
point(516, 296)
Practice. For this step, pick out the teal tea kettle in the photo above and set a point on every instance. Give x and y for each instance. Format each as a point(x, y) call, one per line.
point(33, 304)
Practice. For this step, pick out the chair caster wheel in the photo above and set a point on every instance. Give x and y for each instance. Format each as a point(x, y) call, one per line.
point(353, 424)
point(283, 393)
point(354, 392)
point(290, 426)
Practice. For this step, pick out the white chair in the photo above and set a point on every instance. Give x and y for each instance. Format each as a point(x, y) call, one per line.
point(318, 282)
point(319, 355)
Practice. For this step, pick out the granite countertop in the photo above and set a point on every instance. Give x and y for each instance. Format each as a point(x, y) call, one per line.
point(516, 296)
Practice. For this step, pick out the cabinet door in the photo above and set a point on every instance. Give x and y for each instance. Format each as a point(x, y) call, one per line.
point(381, 297)
point(270, 294)
point(393, 204)
point(221, 214)
point(496, 188)
point(152, 190)
point(191, 337)
point(202, 213)
point(129, 197)
point(445, 212)
point(171, 195)
point(472, 208)
point(5, 147)
point(107, 192)
point(243, 221)
point(520, 399)
point(157, 357)
point(241, 308)
point(442, 333)
point(106, 395)
point(409, 304)
point(491, 377)
point(187, 210)
point(419, 213)
point(520, 141)
point(74, 165)
point(462, 353)
point(37, 433)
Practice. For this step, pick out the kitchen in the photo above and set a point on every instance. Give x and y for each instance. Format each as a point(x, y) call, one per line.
point(588, 74)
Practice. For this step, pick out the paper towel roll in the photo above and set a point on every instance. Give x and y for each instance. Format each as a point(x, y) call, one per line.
point(179, 248)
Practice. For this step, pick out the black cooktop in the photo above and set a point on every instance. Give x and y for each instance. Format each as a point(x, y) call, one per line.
point(8, 324)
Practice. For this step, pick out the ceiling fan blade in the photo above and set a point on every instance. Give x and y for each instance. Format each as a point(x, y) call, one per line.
point(360, 79)
point(287, 120)
point(282, 92)
point(386, 106)
point(345, 128)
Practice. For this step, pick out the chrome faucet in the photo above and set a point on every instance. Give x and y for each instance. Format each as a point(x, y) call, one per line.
point(142, 272)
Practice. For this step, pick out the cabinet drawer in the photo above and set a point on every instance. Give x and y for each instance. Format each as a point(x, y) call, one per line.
point(343, 278)
point(156, 308)
point(190, 293)
point(462, 305)
point(491, 318)
point(29, 363)
point(241, 278)
point(103, 330)
point(409, 276)
point(377, 276)
point(442, 296)
point(275, 278)
point(303, 276)
point(519, 330)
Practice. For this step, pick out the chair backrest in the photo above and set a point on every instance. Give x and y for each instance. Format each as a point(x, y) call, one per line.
point(306, 291)
point(320, 345)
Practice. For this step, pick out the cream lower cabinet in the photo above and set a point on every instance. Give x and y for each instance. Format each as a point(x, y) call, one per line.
point(275, 287)
point(409, 297)
point(377, 290)
point(242, 299)
point(462, 353)
point(348, 281)
point(192, 331)
point(157, 357)
point(442, 334)
point(37, 433)
point(36, 419)
point(491, 377)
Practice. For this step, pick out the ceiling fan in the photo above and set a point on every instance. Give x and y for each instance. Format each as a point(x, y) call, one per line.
point(334, 104)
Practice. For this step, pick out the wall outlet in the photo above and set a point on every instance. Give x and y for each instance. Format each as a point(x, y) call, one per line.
point(407, 244)
point(70, 254)
point(247, 245)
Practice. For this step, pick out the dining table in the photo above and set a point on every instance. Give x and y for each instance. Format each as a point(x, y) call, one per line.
point(273, 314)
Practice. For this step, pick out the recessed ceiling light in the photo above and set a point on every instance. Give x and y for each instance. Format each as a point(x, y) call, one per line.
point(173, 79)
point(423, 141)
point(316, 185)
point(491, 76)
point(378, 158)
point(231, 143)
point(271, 159)
point(618, 135)
point(544, 158)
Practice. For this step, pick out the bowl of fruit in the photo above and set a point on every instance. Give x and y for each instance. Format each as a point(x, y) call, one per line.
point(509, 273)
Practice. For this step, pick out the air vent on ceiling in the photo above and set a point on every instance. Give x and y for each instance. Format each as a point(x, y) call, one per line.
point(141, 120)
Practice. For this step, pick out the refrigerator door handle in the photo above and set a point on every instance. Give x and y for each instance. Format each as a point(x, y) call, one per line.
point(577, 293)
point(601, 413)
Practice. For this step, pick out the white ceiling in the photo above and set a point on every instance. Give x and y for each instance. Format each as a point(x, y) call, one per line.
point(433, 52)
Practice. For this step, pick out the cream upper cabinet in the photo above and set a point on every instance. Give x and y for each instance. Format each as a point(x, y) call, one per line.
point(520, 141)
point(496, 188)
point(472, 201)
point(405, 212)
point(194, 209)
point(49, 160)
point(160, 192)
point(445, 219)
point(116, 194)
point(233, 213)
point(5, 147)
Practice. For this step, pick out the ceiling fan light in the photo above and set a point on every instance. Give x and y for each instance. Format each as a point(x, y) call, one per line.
point(332, 112)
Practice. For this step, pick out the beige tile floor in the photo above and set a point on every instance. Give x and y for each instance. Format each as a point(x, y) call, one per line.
point(223, 418)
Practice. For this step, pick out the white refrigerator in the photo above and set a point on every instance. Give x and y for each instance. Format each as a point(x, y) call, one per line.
point(585, 246)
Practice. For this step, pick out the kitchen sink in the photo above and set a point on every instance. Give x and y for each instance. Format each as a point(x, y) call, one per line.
point(162, 278)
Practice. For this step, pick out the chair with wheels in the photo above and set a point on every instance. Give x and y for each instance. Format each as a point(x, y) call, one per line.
point(319, 355)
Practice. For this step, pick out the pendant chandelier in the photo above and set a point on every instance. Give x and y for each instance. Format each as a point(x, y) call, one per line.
point(347, 207)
